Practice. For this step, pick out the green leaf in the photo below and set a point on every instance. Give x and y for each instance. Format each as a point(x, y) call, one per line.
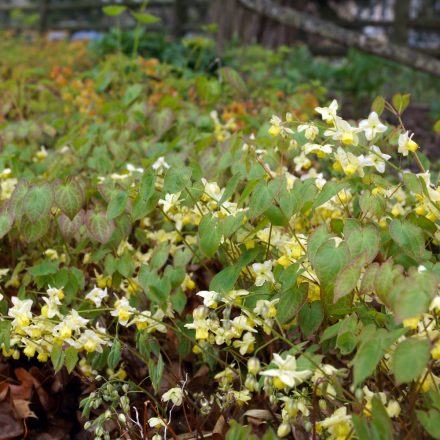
point(33, 231)
point(182, 257)
point(381, 424)
point(361, 427)
point(302, 195)
point(413, 183)
point(269, 435)
point(210, 235)
point(45, 268)
point(232, 223)
point(233, 78)
point(16, 202)
point(163, 121)
point(117, 205)
point(329, 190)
point(410, 238)
point(430, 421)
point(261, 200)
point(113, 10)
point(71, 358)
point(179, 300)
point(371, 351)
point(368, 279)
point(331, 332)
point(69, 198)
point(387, 276)
point(159, 290)
point(142, 207)
point(145, 18)
point(230, 187)
point(310, 317)
point(346, 343)
point(346, 340)
point(348, 277)
point(69, 227)
point(410, 296)
point(160, 256)
point(275, 216)
point(328, 261)
point(126, 265)
point(99, 226)
point(239, 432)
point(176, 179)
point(316, 240)
point(147, 187)
point(131, 94)
point(156, 372)
point(225, 280)
point(365, 362)
point(57, 357)
point(378, 105)
point(362, 240)
point(208, 89)
point(5, 334)
point(38, 202)
point(6, 222)
point(401, 102)
point(114, 355)
point(372, 205)
point(291, 300)
point(410, 359)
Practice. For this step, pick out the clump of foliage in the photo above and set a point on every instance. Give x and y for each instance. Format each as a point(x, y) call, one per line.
point(356, 78)
point(208, 258)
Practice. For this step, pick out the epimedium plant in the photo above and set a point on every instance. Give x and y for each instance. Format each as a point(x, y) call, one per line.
point(276, 271)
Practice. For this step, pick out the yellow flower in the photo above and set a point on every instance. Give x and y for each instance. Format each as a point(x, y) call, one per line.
point(274, 130)
point(406, 144)
point(284, 261)
point(411, 323)
point(435, 352)
point(314, 292)
point(429, 381)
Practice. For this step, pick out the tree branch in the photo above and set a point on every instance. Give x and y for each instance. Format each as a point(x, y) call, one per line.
point(308, 23)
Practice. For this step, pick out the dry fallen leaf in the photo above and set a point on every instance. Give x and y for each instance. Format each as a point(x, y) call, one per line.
point(22, 409)
point(262, 414)
point(46, 401)
point(220, 428)
point(24, 390)
point(10, 427)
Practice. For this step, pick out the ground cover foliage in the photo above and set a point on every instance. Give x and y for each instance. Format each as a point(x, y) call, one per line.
point(188, 254)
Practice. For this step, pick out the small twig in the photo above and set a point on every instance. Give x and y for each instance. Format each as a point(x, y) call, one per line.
point(160, 417)
point(137, 422)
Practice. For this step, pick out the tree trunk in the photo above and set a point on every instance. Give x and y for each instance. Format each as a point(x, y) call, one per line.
point(401, 17)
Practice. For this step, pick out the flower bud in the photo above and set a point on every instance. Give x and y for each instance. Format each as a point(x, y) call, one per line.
point(250, 383)
point(359, 393)
point(283, 430)
point(200, 313)
point(254, 365)
point(291, 408)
